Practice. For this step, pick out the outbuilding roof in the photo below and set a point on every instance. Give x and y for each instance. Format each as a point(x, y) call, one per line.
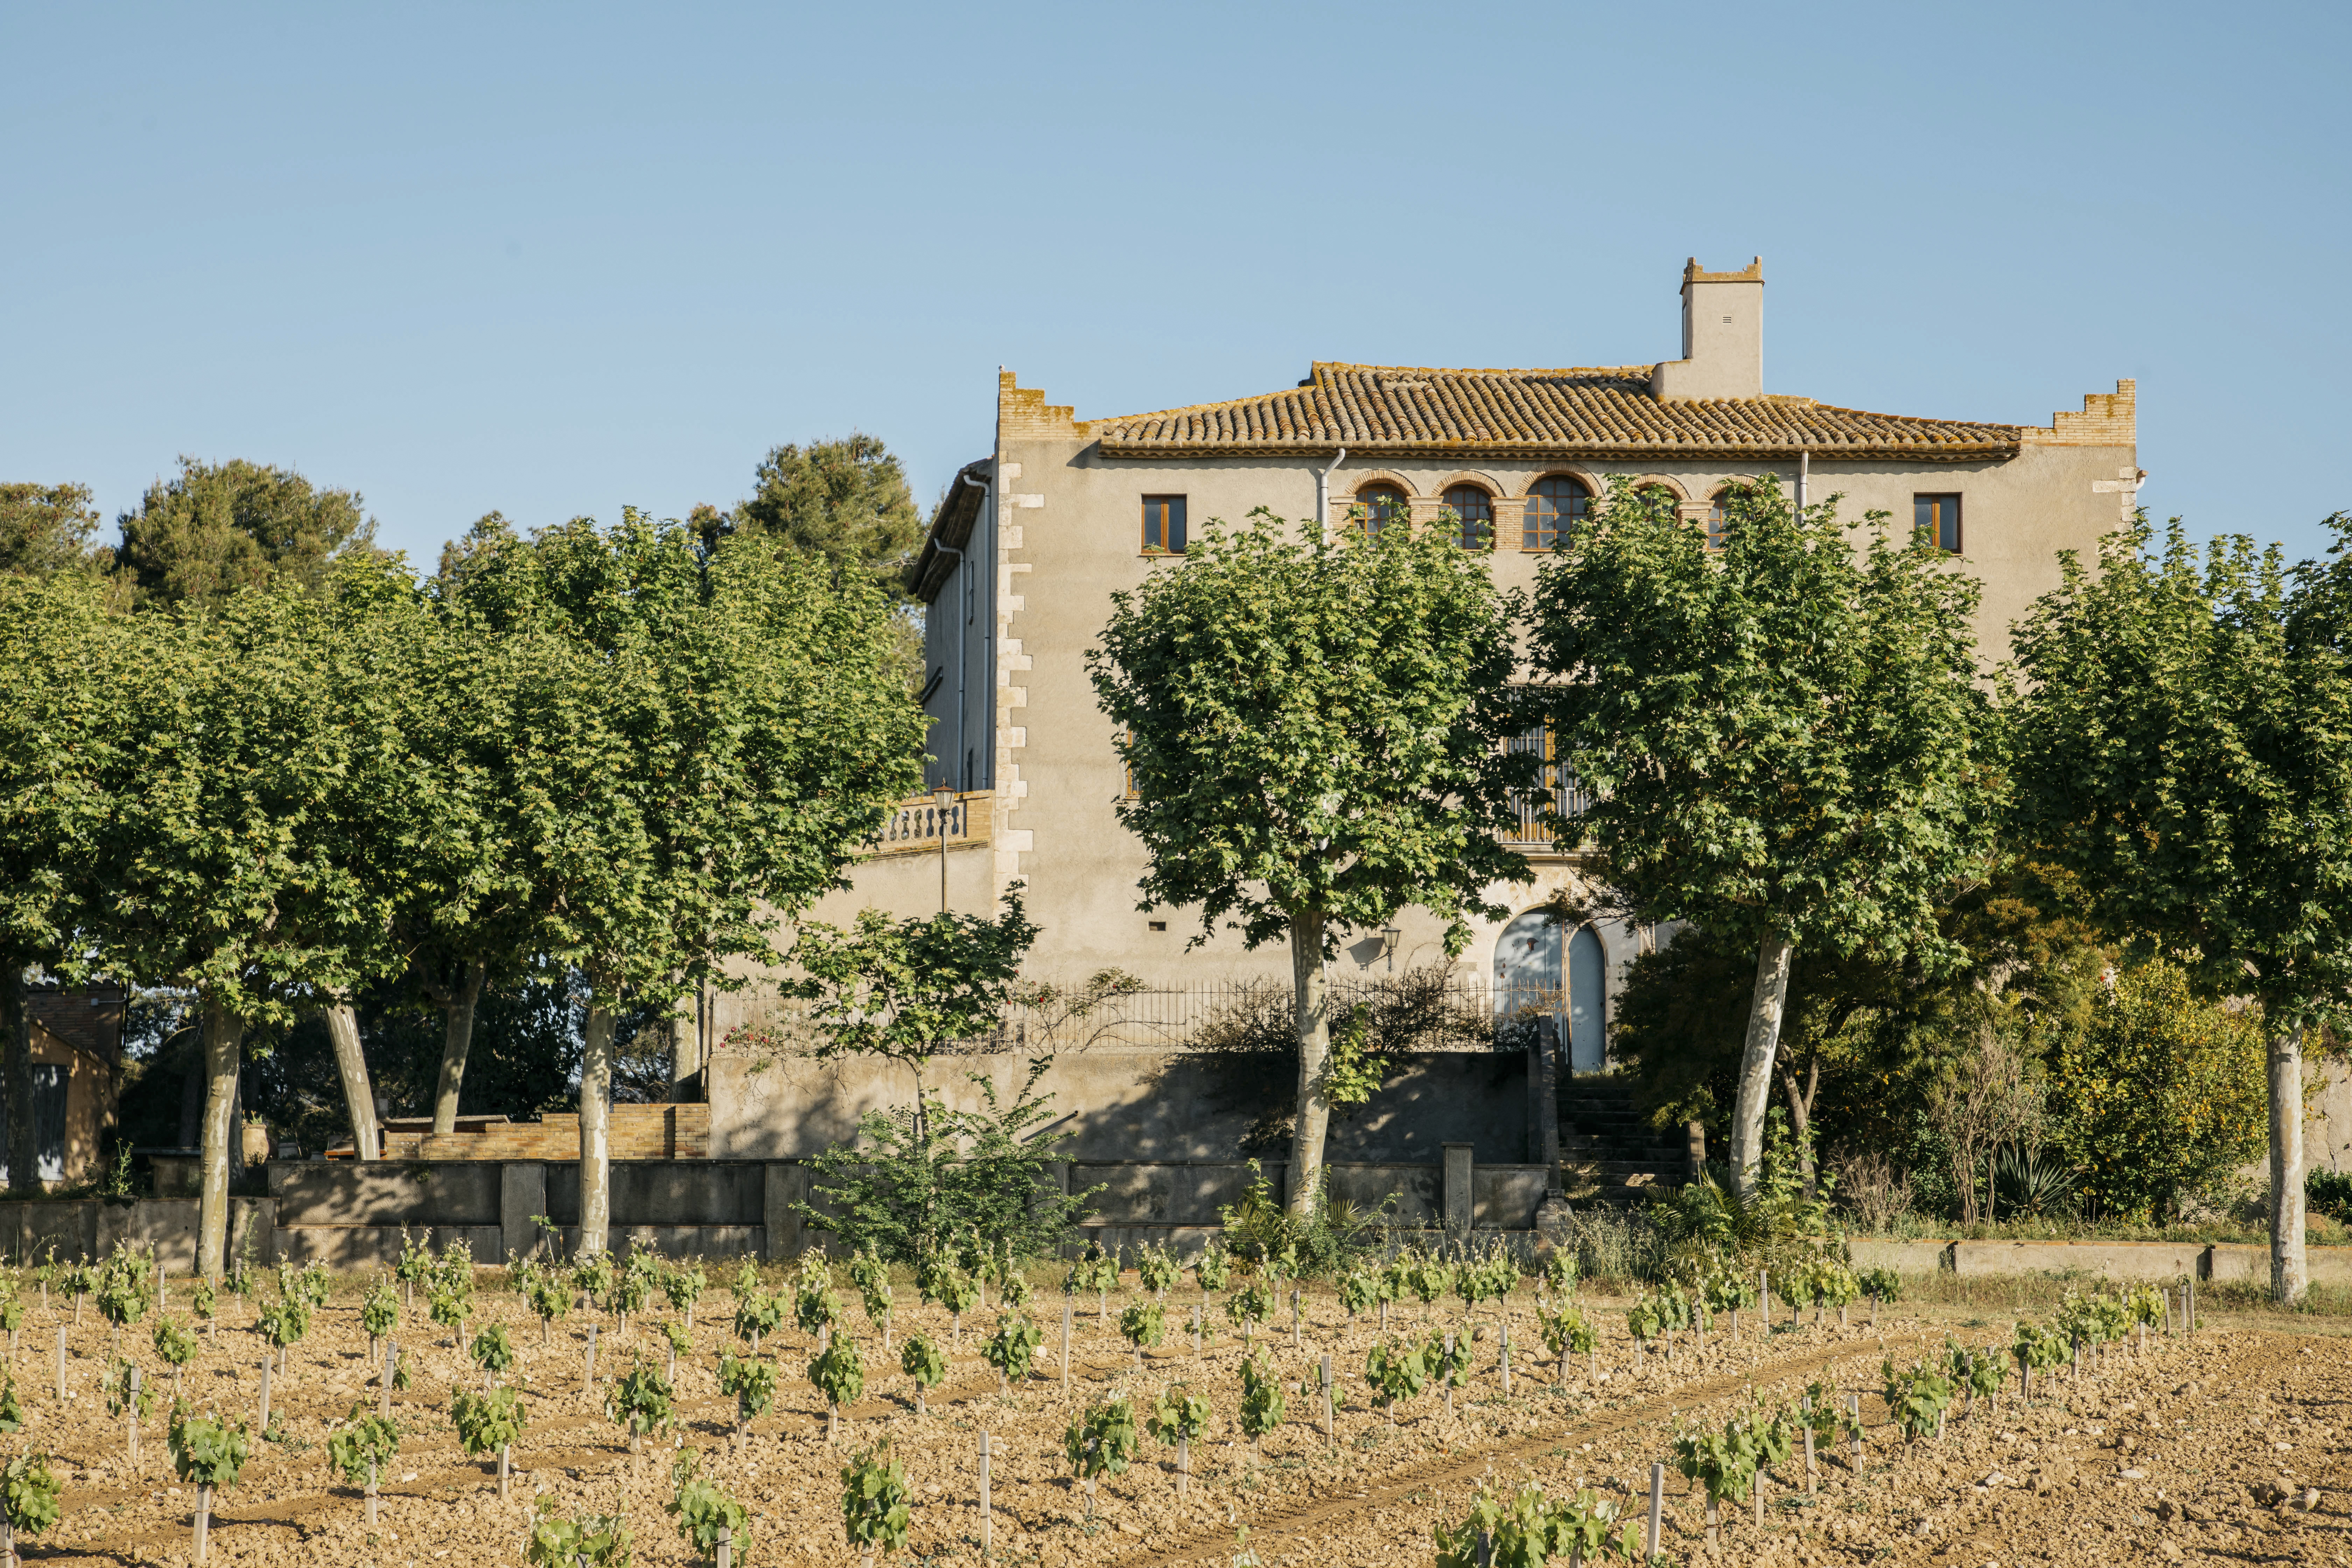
point(1601, 410)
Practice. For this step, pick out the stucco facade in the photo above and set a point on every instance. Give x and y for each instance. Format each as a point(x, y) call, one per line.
point(1035, 538)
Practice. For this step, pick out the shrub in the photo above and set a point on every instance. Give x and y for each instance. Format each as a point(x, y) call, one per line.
point(361, 1442)
point(489, 1422)
point(493, 1351)
point(380, 1312)
point(1013, 1347)
point(1179, 1413)
point(640, 1400)
point(1157, 1269)
point(700, 1508)
point(30, 1494)
point(1529, 1529)
point(1396, 1372)
point(1100, 1441)
point(921, 1359)
point(1262, 1399)
point(592, 1541)
point(874, 1512)
point(1916, 1399)
point(2160, 1095)
point(207, 1452)
point(752, 1381)
point(682, 1287)
point(1882, 1284)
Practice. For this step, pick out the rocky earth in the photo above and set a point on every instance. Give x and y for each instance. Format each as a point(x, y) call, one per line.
point(2224, 1445)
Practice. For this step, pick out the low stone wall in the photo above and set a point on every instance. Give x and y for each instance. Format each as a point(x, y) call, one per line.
point(2158, 1261)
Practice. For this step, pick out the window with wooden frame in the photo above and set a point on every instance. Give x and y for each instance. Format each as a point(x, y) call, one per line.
point(1163, 525)
point(1555, 504)
point(1718, 526)
point(1474, 512)
point(1937, 518)
point(1376, 506)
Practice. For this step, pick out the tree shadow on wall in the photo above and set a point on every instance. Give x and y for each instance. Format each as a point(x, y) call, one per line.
point(1244, 1052)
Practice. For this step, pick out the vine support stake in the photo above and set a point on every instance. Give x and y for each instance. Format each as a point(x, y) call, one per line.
point(1330, 1430)
point(1658, 1510)
point(726, 1547)
point(1809, 1458)
point(1506, 1358)
point(371, 1495)
point(1853, 1412)
point(987, 1521)
point(588, 1383)
point(1065, 1347)
point(390, 1367)
point(265, 1394)
point(61, 1363)
point(134, 1414)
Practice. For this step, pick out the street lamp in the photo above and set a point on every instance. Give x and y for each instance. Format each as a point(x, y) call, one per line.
point(942, 802)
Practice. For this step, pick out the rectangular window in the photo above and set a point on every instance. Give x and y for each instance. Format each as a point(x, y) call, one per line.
point(1163, 525)
point(1938, 518)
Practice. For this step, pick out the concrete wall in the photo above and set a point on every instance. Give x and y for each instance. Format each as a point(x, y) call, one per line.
point(1127, 1104)
point(2158, 1261)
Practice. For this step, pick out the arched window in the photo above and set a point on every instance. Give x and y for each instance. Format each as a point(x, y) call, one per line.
point(1538, 975)
point(1376, 506)
point(1474, 510)
point(1554, 505)
point(1718, 529)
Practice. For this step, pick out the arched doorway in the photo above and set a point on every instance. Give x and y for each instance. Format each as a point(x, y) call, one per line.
point(1536, 973)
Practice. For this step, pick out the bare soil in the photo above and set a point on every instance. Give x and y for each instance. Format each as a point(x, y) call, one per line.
point(2227, 1445)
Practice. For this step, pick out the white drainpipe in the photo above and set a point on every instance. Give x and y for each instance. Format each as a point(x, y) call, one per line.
point(1323, 495)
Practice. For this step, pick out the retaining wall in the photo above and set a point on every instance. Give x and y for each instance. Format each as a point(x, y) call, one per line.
point(2151, 1260)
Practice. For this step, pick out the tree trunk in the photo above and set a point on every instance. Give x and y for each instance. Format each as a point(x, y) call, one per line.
point(1800, 1121)
point(1312, 1020)
point(24, 1150)
point(2288, 1275)
point(224, 1042)
point(595, 1138)
point(1771, 994)
point(350, 1066)
point(685, 1040)
point(456, 1040)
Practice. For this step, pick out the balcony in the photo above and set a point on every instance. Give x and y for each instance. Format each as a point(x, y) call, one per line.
point(920, 825)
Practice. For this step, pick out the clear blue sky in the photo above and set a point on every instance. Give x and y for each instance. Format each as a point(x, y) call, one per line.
point(551, 259)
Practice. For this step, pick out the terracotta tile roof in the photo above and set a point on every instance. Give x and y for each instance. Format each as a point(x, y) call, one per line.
point(1601, 411)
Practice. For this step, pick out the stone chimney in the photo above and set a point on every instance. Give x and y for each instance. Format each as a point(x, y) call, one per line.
point(1723, 336)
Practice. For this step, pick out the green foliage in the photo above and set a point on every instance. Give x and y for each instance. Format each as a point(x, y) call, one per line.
point(1316, 726)
point(757, 1313)
point(493, 1351)
point(1643, 1318)
point(838, 1373)
point(1721, 1462)
point(842, 502)
point(1490, 1279)
point(1973, 1369)
point(452, 1301)
point(1559, 1271)
point(1362, 1289)
point(2093, 1319)
point(921, 1358)
point(591, 1276)
point(115, 1382)
point(205, 1300)
point(46, 530)
point(596, 1541)
point(683, 1285)
point(176, 1345)
point(126, 1286)
point(1250, 1304)
point(487, 1421)
point(1179, 1413)
point(874, 1498)
point(1915, 1398)
point(362, 1440)
point(642, 1395)
point(1566, 1329)
point(1262, 1399)
point(215, 528)
point(634, 1285)
point(285, 1320)
point(815, 1308)
point(1397, 1370)
point(415, 1264)
point(1448, 1368)
point(30, 1494)
point(949, 1286)
point(680, 1341)
point(380, 1312)
point(1094, 1275)
point(918, 1175)
point(1828, 1418)
point(1012, 1348)
point(1881, 1285)
point(2161, 1096)
point(1213, 1267)
point(1101, 1438)
point(701, 1508)
point(1529, 1529)
point(2038, 1348)
point(1840, 685)
point(551, 1297)
point(12, 1409)
point(207, 1452)
point(1156, 1268)
point(752, 1381)
point(1424, 1276)
point(1144, 1324)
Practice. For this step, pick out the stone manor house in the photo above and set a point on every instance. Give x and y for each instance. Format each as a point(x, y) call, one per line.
point(1035, 536)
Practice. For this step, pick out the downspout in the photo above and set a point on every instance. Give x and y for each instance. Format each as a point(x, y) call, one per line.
point(1323, 495)
point(1804, 472)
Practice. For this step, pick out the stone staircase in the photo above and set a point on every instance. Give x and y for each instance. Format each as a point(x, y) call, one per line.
point(1609, 1153)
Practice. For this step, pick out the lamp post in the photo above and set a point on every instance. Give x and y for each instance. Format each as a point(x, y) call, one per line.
point(942, 802)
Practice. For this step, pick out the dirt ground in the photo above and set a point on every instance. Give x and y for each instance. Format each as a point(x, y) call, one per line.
point(2225, 1446)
